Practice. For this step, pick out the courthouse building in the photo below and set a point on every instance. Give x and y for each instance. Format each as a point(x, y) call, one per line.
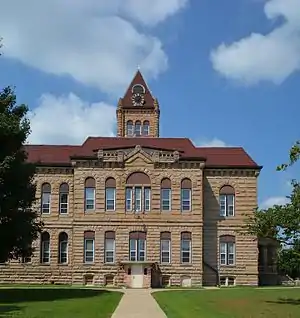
point(140, 210)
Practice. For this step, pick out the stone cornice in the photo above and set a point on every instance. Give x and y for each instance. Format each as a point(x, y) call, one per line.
point(54, 170)
point(232, 172)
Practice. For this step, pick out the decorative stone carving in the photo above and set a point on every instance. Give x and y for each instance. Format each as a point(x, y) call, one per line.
point(100, 154)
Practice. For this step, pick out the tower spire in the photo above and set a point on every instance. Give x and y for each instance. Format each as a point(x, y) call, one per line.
point(138, 111)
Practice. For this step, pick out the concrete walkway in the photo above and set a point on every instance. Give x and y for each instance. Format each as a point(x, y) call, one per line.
point(138, 303)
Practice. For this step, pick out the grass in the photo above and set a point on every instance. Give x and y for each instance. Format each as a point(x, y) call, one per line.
point(230, 303)
point(57, 302)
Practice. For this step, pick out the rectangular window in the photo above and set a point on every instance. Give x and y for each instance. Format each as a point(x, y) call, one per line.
point(186, 199)
point(147, 199)
point(166, 199)
point(89, 199)
point(46, 198)
point(165, 247)
point(63, 203)
point(128, 199)
point(137, 250)
point(226, 204)
point(227, 253)
point(110, 197)
point(109, 250)
point(137, 199)
point(63, 257)
point(186, 251)
point(89, 250)
point(45, 251)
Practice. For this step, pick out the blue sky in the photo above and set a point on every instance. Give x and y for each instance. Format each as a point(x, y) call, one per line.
point(225, 72)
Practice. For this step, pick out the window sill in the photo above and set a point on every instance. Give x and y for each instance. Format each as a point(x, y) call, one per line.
point(186, 264)
point(227, 266)
point(45, 264)
point(63, 264)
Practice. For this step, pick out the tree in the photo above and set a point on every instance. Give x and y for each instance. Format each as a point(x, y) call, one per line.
point(293, 157)
point(289, 261)
point(280, 222)
point(18, 220)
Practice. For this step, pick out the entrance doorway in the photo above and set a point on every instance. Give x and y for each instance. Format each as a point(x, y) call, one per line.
point(137, 276)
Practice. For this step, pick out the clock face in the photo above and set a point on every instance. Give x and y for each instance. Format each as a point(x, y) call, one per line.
point(137, 99)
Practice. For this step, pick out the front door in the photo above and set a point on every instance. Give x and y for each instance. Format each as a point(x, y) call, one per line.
point(137, 276)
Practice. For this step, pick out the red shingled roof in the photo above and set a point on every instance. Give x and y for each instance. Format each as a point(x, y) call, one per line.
point(214, 157)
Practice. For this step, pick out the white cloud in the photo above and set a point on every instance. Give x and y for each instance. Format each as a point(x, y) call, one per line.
point(97, 42)
point(268, 203)
point(69, 120)
point(271, 57)
point(215, 142)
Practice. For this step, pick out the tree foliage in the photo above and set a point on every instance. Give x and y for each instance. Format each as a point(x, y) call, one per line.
point(18, 221)
point(289, 260)
point(280, 222)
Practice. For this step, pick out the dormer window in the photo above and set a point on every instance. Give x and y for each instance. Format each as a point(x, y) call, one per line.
point(138, 89)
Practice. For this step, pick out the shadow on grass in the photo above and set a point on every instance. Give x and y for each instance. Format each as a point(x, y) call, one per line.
point(5, 309)
point(285, 301)
point(20, 295)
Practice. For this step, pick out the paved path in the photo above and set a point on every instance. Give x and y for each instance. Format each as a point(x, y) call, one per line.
point(138, 303)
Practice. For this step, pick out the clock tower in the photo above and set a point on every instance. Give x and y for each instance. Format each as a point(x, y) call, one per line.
point(138, 111)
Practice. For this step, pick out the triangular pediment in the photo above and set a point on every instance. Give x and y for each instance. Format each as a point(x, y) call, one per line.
point(138, 156)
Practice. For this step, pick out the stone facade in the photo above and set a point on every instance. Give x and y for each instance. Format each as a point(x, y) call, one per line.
point(199, 224)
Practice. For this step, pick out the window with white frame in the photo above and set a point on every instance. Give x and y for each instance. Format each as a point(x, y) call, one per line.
point(45, 248)
point(63, 198)
point(227, 201)
point(137, 246)
point(110, 194)
point(63, 248)
point(137, 128)
point(89, 246)
point(90, 194)
point(186, 195)
point(186, 247)
point(110, 244)
point(46, 198)
point(165, 247)
point(146, 126)
point(166, 195)
point(129, 128)
point(227, 250)
point(138, 193)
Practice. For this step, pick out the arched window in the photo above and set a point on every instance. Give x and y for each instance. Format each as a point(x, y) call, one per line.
point(63, 248)
point(137, 246)
point(110, 194)
point(165, 247)
point(165, 194)
point(45, 248)
point(46, 198)
point(146, 128)
point(138, 192)
point(137, 128)
point(227, 250)
point(90, 192)
point(186, 195)
point(129, 128)
point(227, 200)
point(110, 245)
point(186, 247)
point(63, 198)
point(138, 89)
point(89, 246)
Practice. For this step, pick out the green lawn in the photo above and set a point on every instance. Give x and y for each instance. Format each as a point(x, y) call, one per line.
point(231, 303)
point(57, 302)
